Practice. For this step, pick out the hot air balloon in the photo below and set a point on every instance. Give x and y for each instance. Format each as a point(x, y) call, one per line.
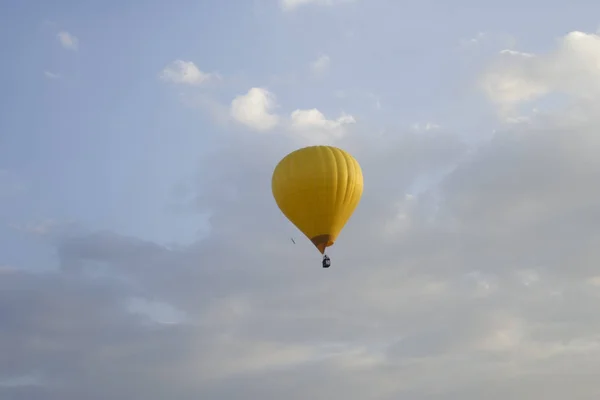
point(318, 188)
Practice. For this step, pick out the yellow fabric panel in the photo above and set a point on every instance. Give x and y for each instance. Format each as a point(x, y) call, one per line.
point(318, 188)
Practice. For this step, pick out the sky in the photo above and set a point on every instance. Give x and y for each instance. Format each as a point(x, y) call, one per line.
point(142, 255)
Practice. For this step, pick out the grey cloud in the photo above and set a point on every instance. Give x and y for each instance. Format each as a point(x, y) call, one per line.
point(488, 293)
point(530, 183)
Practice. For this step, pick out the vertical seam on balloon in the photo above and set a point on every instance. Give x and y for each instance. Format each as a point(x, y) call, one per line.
point(323, 160)
point(332, 154)
point(351, 161)
point(341, 202)
point(349, 177)
point(357, 172)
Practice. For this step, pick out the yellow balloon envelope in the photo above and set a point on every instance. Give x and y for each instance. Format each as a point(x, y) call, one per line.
point(318, 188)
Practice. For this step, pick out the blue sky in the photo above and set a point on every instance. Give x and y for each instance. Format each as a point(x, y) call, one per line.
point(478, 171)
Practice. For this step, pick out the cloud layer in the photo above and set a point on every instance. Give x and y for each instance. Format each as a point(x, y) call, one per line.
point(570, 69)
point(483, 281)
point(68, 40)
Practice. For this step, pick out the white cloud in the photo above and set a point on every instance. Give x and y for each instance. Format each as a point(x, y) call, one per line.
point(289, 5)
point(255, 109)
point(320, 66)
point(68, 41)
point(486, 40)
point(51, 75)
point(571, 69)
point(314, 119)
point(474, 40)
point(186, 72)
point(315, 127)
point(427, 126)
